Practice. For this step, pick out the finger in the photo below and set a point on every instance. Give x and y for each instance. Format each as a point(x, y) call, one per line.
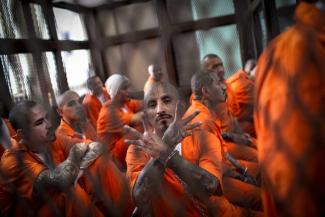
point(192, 126)
point(133, 142)
point(179, 111)
point(190, 117)
point(127, 130)
point(145, 122)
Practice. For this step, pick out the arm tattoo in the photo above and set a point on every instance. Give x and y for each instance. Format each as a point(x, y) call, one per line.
point(146, 185)
point(63, 176)
point(95, 150)
point(200, 182)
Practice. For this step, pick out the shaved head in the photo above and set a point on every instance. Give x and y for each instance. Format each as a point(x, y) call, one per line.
point(62, 99)
point(165, 86)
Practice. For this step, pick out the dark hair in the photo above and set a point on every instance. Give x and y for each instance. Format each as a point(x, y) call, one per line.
point(19, 114)
point(90, 79)
point(211, 55)
point(199, 80)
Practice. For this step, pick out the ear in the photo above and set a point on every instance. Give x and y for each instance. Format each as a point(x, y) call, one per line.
point(20, 133)
point(204, 91)
point(59, 111)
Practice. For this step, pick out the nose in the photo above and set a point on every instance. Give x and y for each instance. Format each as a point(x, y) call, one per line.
point(161, 108)
point(48, 123)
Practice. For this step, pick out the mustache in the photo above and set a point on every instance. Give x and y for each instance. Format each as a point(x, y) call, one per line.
point(163, 116)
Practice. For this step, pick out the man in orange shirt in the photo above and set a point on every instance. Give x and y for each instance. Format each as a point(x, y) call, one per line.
point(174, 171)
point(99, 175)
point(242, 86)
point(208, 91)
point(94, 100)
point(290, 93)
point(35, 180)
point(155, 75)
point(114, 114)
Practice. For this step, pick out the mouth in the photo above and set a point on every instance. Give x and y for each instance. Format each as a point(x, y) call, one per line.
point(163, 117)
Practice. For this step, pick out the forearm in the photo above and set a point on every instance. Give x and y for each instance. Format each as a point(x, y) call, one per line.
point(147, 185)
point(95, 150)
point(200, 182)
point(61, 178)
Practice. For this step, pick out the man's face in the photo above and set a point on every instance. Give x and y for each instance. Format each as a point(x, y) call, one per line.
point(123, 93)
point(72, 109)
point(96, 86)
point(39, 131)
point(214, 64)
point(217, 91)
point(160, 107)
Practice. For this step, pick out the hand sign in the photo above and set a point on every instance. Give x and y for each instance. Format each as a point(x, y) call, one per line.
point(179, 128)
point(148, 141)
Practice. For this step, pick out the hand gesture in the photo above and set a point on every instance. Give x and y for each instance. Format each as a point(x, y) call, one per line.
point(148, 141)
point(179, 128)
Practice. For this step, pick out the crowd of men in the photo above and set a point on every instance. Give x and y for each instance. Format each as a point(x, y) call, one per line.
point(116, 156)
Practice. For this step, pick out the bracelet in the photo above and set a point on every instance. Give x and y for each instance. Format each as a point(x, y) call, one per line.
point(170, 156)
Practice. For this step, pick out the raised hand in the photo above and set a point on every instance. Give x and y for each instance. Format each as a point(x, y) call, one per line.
point(148, 141)
point(179, 128)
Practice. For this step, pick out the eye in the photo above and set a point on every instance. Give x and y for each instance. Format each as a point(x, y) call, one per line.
point(151, 104)
point(166, 99)
point(72, 103)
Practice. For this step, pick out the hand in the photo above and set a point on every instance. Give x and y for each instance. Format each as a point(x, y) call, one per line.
point(148, 141)
point(77, 151)
point(243, 139)
point(179, 128)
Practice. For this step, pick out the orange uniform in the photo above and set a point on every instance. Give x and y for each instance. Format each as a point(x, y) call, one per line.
point(101, 179)
point(110, 124)
point(235, 191)
point(71, 137)
point(149, 83)
point(93, 106)
point(290, 93)
point(242, 87)
point(19, 170)
point(202, 149)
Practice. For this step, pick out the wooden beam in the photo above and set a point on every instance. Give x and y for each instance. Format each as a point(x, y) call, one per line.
point(203, 24)
point(116, 4)
point(50, 19)
point(272, 22)
point(64, 5)
point(244, 22)
point(5, 96)
point(288, 10)
point(13, 46)
point(132, 37)
point(166, 39)
point(255, 5)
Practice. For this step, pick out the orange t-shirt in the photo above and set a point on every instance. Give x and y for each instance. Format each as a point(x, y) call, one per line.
point(93, 106)
point(110, 124)
point(242, 87)
point(202, 149)
point(289, 119)
point(19, 169)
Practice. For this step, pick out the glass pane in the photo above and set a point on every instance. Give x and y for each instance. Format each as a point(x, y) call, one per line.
point(129, 18)
point(187, 10)
point(133, 59)
point(19, 72)
point(70, 25)
point(77, 65)
point(281, 3)
point(222, 41)
point(12, 23)
point(51, 67)
point(39, 22)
